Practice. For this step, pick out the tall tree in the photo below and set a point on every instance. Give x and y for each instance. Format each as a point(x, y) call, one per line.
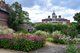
point(77, 17)
point(17, 16)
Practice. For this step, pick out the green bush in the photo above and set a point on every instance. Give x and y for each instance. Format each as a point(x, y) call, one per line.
point(58, 37)
point(50, 27)
point(71, 48)
point(72, 32)
point(23, 31)
point(4, 43)
point(50, 39)
point(25, 43)
point(41, 33)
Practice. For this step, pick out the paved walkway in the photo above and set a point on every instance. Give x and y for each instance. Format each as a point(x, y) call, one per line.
point(49, 48)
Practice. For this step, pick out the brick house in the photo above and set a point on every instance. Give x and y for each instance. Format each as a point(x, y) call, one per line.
point(4, 15)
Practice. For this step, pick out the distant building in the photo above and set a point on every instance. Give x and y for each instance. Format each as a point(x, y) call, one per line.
point(55, 19)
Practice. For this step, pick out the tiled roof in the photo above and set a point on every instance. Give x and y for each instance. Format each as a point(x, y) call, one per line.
point(47, 19)
point(57, 19)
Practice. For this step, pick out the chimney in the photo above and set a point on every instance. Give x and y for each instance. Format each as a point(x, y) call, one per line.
point(59, 16)
point(48, 16)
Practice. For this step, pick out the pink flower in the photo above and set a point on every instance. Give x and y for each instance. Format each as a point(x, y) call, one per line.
point(7, 36)
point(34, 38)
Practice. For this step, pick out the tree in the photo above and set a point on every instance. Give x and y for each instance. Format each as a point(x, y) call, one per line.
point(26, 17)
point(17, 16)
point(77, 17)
point(72, 32)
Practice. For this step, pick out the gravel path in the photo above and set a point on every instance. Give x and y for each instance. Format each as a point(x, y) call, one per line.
point(10, 51)
point(49, 48)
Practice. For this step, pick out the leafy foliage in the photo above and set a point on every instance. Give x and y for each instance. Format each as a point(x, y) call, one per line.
point(17, 16)
point(41, 33)
point(72, 32)
point(71, 48)
point(21, 42)
point(50, 39)
point(58, 37)
point(51, 27)
point(77, 17)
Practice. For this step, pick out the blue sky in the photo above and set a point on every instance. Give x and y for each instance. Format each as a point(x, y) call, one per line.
point(40, 9)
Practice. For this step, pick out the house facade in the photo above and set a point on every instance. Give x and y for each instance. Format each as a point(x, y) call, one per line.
point(4, 15)
point(56, 19)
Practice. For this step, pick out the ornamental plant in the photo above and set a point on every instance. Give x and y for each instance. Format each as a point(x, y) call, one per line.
point(21, 43)
point(72, 48)
point(72, 32)
point(58, 37)
point(41, 33)
point(6, 30)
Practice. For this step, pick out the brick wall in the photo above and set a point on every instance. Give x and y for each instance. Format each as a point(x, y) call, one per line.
point(3, 18)
point(3, 14)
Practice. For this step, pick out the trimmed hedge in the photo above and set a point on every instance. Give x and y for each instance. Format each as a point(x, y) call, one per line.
point(50, 27)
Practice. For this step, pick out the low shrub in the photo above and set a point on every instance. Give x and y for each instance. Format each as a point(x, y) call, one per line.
point(50, 27)
point(72, 32)
point(50, 39)
point(6, 30)
point(77, 40)
point(41, 33)
point(71, 41)
point(23, 43)
point(59, 41)
point(58, 37)
point(23, 31)
point(71, 48)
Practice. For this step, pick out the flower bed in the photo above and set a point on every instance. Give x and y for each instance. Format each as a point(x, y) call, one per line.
point(23, 43)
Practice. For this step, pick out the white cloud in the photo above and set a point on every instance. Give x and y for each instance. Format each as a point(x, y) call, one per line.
point(37, 13)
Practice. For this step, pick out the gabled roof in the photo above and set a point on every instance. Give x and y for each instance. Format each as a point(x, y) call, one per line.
point(3, 10)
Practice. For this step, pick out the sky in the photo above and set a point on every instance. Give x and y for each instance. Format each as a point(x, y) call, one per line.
point(40, 9)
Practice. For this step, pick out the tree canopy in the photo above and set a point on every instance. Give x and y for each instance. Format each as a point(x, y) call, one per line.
point(17, 16)
point(77, 17)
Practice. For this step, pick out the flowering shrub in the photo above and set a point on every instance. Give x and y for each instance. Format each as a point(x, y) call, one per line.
point(5, 30)
point(41, 33)
point(8, 36)
point(58, 37)
point(34, 38)
point(22, 43)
